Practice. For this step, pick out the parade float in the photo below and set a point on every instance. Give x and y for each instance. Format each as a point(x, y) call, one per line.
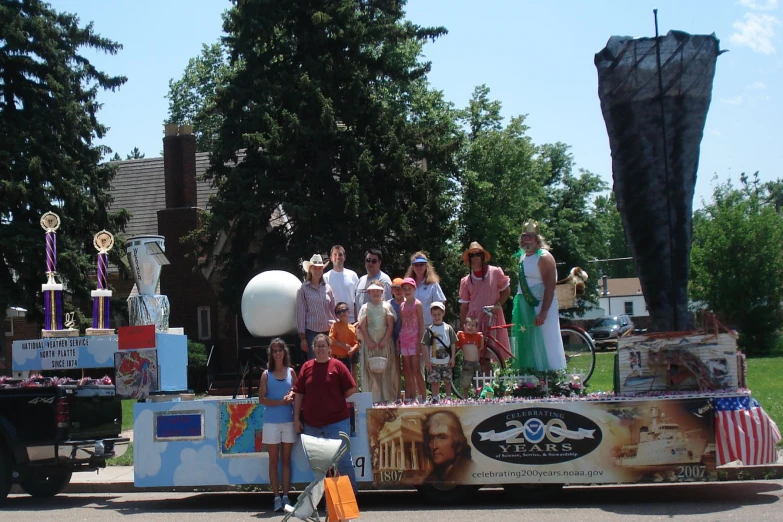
point(677, 394)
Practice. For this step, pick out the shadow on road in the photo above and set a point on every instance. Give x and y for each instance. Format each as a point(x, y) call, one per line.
point(623, 500)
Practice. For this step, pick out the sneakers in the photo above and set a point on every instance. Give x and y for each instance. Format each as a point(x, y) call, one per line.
point(286, 502)
point(278, 504)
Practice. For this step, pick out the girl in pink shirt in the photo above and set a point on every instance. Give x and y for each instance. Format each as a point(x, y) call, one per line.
point(411, 333)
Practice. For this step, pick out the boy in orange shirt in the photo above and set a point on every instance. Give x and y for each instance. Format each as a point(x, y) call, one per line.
point(343, 335)
point(471, 342)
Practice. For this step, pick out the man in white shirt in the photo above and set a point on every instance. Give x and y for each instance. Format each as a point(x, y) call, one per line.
point(372, 263)
point(342, 280)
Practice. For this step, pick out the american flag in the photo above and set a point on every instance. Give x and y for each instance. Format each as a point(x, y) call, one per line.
point(744, 432)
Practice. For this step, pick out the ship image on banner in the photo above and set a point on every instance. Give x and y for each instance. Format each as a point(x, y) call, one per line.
point(663, 442)
point(578, 442)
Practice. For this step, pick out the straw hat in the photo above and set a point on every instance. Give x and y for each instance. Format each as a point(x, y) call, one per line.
point(316, 260)
point(472, 249)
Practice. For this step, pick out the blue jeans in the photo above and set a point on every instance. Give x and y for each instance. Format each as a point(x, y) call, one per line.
point(310, 335)
point(332, 431)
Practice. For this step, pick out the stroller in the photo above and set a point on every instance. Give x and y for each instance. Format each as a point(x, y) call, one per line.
point(322, 455)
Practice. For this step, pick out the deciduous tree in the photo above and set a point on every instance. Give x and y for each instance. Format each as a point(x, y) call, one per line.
point(737, 261)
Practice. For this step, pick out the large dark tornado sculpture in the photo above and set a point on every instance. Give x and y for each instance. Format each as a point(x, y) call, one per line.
point(655, 125)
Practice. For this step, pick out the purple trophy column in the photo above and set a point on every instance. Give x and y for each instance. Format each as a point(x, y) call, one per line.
point(52, 298)
point(100, 304)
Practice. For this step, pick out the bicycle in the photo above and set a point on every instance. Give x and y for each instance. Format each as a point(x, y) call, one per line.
point(578, 346)
point(493, 347)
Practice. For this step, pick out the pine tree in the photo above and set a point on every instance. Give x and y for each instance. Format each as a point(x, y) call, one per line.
point(48, 157)
point(329, 103)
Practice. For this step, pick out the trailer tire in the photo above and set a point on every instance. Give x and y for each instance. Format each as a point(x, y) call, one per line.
point(45, 482)
point(446, 494)
point(5, 474)
point(533, 492)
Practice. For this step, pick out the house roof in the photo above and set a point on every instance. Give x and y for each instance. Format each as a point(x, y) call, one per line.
point(139, 187)
point(623, 287)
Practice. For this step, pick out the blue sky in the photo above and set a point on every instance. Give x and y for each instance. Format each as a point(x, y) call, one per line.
point(536, 57)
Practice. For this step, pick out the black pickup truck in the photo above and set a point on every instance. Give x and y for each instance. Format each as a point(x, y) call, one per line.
point(48, 431)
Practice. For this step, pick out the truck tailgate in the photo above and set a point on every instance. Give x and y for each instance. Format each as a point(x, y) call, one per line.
point(94, 411)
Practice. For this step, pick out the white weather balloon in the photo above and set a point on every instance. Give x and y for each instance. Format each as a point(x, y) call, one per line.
point(269, 303)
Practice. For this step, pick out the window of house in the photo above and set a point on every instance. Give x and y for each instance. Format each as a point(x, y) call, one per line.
point(629, 307)
point(204, 326)
point(9, 328)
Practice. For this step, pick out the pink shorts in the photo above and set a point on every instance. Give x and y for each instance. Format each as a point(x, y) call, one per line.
point(408, 351)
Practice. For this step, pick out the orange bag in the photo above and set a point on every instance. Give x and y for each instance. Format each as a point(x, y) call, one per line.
point(340, 501)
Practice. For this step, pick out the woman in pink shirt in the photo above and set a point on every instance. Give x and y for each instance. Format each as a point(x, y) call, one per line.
point(485, 285)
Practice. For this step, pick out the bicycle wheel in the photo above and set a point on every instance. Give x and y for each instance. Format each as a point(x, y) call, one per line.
point(579, 352)
point(494, 358)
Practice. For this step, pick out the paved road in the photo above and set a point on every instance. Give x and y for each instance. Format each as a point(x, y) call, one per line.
point(691, 502)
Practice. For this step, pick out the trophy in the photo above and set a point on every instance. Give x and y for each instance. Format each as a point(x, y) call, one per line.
point(146, 258)
point(103, 242)
point(52, 290)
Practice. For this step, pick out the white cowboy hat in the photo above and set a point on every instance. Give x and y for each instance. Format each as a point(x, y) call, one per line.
point(316, 260)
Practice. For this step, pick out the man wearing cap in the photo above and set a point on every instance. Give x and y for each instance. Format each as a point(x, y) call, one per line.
point(372, 263)
point(485, 285)
point(342, 280)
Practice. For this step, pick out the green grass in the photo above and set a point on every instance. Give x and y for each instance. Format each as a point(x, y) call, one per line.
point(764, 375)
point(125, 460)
point(127, 414)
point(603, 375)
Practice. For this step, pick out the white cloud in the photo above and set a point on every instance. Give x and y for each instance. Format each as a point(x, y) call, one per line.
point(755, 31)
point(757, 86)
point(199, 467)
point(762, 5)
point(253, 470)
point(20, 355)
point(732, 101)
point(146, 463)
point(713, 132)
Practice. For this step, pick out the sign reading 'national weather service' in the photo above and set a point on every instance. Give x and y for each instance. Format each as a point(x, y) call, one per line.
point(64, 353)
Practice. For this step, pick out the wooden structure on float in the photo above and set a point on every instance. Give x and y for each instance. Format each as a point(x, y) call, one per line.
point(678, 361)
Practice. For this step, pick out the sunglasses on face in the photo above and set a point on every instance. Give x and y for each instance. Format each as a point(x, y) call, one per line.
point(477, 254)
point(342, 311)
point(371, 261)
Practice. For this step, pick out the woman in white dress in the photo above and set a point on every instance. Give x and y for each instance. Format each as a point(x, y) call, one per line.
point(539, 345)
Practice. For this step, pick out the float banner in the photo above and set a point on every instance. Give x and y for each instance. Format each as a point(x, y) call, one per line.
point(549, 442)
point(64, 353)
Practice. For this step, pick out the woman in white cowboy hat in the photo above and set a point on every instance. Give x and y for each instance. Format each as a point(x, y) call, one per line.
point(314, 305)
point(485, 285)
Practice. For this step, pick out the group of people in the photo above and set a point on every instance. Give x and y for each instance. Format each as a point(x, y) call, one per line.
point(393, 326)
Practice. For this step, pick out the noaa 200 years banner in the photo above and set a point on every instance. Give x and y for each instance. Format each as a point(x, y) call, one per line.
point(550, 442)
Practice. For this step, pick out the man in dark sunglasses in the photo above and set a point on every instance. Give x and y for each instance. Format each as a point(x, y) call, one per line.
point(372, 263)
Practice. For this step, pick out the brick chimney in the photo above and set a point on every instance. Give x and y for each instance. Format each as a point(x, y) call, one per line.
point(179, 166)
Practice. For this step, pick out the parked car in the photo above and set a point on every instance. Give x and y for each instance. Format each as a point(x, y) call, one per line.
point(606, 330)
